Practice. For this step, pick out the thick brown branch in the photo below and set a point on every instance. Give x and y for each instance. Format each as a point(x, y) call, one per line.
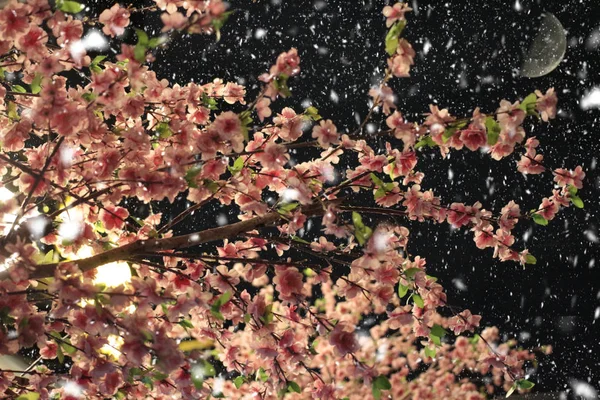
point(178, 242)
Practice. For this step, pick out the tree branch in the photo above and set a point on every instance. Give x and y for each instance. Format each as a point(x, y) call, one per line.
point(178, 242)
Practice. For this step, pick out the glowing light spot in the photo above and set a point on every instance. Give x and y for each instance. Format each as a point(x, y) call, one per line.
point(6, 194)
point(73, 389)
point(111, 349)
point(113, 274)
point(290, 195)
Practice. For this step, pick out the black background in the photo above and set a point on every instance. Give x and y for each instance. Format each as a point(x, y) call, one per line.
point(475, 50)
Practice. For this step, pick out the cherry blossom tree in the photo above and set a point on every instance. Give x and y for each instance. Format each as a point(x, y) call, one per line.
point(116, 305)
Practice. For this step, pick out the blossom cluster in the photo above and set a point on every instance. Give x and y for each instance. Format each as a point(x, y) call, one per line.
point(249, 308)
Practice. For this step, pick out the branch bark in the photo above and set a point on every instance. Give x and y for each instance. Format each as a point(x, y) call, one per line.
point(178, 242)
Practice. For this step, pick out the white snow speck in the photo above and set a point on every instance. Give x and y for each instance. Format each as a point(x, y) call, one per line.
point(290, 195)
point(591, 99)
point(583, 389)
point(334, 96)
point(459, 284)
point(517, 6)
point(593, 41)
point(591, 236)
point(260, 33)
point(426, 47)
point(221, 219)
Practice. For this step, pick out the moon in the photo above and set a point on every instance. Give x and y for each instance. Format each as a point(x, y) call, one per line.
point(547, 49)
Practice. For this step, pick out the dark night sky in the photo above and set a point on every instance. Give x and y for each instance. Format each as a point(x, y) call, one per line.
point(468, 54)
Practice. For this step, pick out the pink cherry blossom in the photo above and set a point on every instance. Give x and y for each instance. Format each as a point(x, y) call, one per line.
point(113, 217)
point(174, 20)
point(343, 339)
point(474, 137)
point(13, 20)
point(400, 62)
point(326, 133)
point(114, 20)
point(288, 282)
point(564, 177)
point(546, 104)
point(465, 321)
point(395, 13)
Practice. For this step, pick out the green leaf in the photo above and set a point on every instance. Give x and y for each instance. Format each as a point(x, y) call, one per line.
point(426, 141)
point(475, 339)
point(430, 352)
point(281, 85)
point(139, 53)
point(299, 239)
point(436, 334)
point(493, 130)
point(357, 220)
point(36, 84)
point(88, 96)
point(98, 59)
point(29, 396)
point(572, 190)
point(530, 259)
point(216, 313)
point(538, 219)
point(69, 6)
point(363, 235)
point(238, 381)
point(376, 180)
point(391, 39)
point(164, 131)
point(12, 111)
point(511, 390)
point(209, 369)
point(224, 298)
point(418, 300)
point(190, 176)
point(288, 207)
point(209, 102)
point(210, 185)
point(411, 272)
point(267, 317)
point(159, 376)
point(379, 193)
point(156, 41)
point(293, 387)
point(60, 356)
point(198, 381)
point(215, 309)
point(438, 331)
point(525, 384)
point(186, 324)
point(448, 133)
point(262, 375)
point(220, 22)
point(67, 348)
point(237, 166)
point(142, 37)
point(528, 104)
point(576, 200)
point(313, 113)
point(402, 290)
point(245, 118)
point(18, 89)
point(380, 383)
